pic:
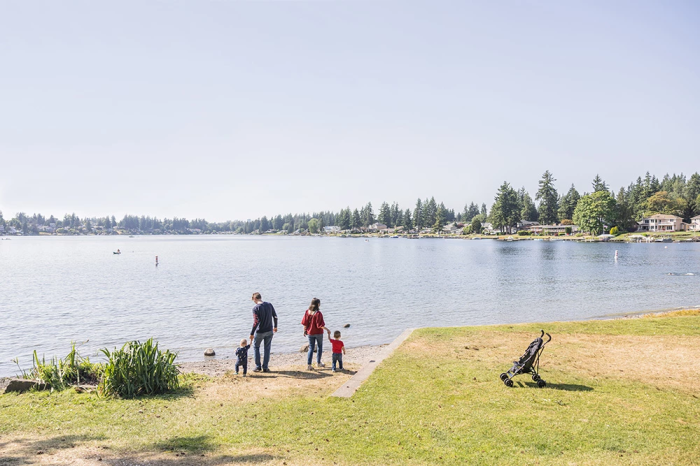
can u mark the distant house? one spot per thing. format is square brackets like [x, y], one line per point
[554, 230]
[377, 226]
[450, 228]
[332, 229]
[525, 225]
[487, 228]
[662, 222]
[694, 224]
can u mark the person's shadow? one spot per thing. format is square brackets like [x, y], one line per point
[303, 375]
[568, 387]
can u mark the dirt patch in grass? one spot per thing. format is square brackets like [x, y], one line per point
[68, 450]
[287, 381]
[662, 361]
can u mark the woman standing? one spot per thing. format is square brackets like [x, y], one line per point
[313, 328]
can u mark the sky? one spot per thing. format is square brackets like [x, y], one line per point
[237, 109]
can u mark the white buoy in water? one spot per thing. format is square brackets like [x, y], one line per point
[615, 254]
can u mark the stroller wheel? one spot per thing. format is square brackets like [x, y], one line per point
[541, 383]
[508, 382]
[504, 376]
[535, 377]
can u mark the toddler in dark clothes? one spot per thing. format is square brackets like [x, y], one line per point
[242, 356]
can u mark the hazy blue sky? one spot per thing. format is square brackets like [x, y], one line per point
[233, 109]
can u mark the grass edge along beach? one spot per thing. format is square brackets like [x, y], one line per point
[619, 392]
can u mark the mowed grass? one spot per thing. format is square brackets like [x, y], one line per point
[619, 392]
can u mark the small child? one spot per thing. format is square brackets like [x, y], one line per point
[242, 355]
[338, 349]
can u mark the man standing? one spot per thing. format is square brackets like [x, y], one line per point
[264, 326]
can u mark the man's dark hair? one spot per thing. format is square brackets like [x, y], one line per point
[256, 296]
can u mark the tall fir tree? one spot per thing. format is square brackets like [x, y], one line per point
[549, 199]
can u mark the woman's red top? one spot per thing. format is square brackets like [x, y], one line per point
[313, 323]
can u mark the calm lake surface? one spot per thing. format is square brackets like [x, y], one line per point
[54, 290]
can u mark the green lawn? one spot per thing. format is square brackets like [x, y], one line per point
[437, 400]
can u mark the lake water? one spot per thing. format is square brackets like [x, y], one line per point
[54, 290]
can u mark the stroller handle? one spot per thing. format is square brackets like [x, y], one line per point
[550, 338]
[542, 333]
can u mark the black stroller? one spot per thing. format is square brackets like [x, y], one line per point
[529, 363]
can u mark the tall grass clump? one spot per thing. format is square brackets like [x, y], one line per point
[59, 374]
[139, 369]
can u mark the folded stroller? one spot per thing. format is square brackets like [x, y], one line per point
[529, 363]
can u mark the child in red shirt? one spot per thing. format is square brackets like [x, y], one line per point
[338, 349]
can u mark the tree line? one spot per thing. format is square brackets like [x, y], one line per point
[600, 208]
[591, 211]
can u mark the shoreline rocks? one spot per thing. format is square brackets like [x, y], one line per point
[209, 352]
[9, 385]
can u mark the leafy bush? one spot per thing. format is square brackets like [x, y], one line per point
[615, 231]
[524, 233]
[567, 230]
[139, 369]
[59, 374]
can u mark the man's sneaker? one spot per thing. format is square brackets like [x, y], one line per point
[320, 364]
[257, 369]
[243, 375]
[310, 367]
[333, 370]
[267, 370]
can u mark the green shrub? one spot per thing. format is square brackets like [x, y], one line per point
[139, 369]
[59, 374]
[567, 230]
[524, 233]
[615, 231]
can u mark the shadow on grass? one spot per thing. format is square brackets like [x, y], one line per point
[200, 443]
[182, 459]
[186, 451]
[17, 451]
[307, 375]
[567, 387]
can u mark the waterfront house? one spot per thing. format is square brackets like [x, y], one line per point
[525, 225]
[377, 226]
[450, 228]
[331, 229]
[552, 230]
[487, 228]
[694, 224]
[662, 222]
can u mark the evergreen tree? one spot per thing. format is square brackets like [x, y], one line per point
[548, 197]
[418, 215]
[385, 215]
[598, 184]
[484, 212]
[528, 210]
[505, 213]
[368, 215]
[567, 205]
[429, 212]
[407, 221]
[356, 219]
[691, 193]
[624, 213]
[440, 215]
[395, 214]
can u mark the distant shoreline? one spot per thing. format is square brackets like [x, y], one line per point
[654, 237]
